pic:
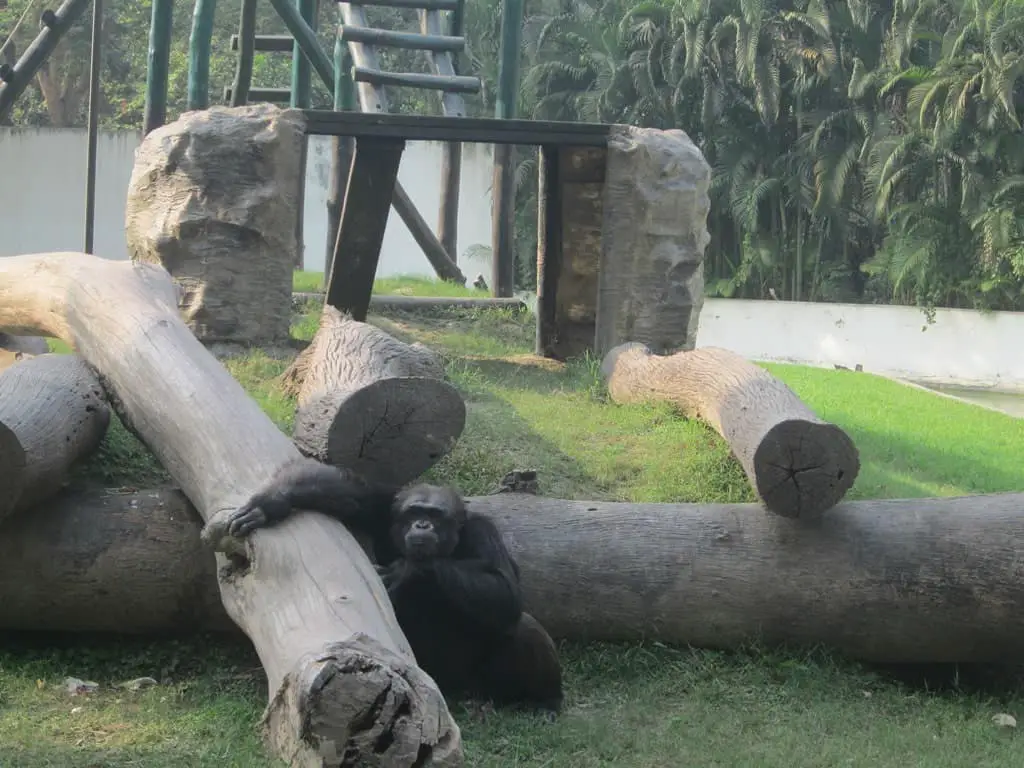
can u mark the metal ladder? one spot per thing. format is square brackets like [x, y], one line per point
[363, 41]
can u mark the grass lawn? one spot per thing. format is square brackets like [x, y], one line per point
[631, 706]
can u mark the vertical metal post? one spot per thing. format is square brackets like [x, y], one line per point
[199, 54]
[300, 94]
[159, 65]
[342, 148]
[246, 52]
[503, 210]
[95, 66]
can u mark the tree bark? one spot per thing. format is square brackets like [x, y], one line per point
[110, 561]
[340, 671]
[371, 403]
[901, 580]
[799, 465]
[56, 411]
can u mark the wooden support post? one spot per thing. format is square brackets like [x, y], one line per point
[549, 247]
[364, 217]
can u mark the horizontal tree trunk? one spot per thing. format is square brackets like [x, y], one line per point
[110, 561]
[799, 465]
[371, 403]
[902, 580]
[307, 596]
[382, 302]
[56, 412]
[15, 348]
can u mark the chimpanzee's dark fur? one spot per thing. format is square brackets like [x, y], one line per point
[452, 582]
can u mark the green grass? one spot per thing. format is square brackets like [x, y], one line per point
[408, 285]
[639, 705]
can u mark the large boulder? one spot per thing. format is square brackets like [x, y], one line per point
[651, 279]
[214, 198]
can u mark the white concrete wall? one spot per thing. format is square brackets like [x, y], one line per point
[43, 209]
[962, 347]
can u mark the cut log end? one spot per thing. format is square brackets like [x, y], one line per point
[356, 703]
[390, 431]
[804, 468]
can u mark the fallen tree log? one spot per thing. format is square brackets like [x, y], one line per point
[56, 412]
[371, 403]
[900, 580]
[110, 561]
[799, 465]
[340, 672]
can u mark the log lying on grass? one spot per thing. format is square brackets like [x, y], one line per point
[53, 412]
[110, 561]
[339, 669]
[799, 465]
[372, 403]
[906, 580]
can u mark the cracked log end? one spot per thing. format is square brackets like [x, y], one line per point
[804, 468]
[390, 430]
[358, 704]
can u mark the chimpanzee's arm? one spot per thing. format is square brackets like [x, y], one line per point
[308, 484]
[481, 579]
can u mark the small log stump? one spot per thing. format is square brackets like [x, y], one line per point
[799, 464]
[371, 403]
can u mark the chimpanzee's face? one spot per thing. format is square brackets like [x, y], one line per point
[426, 522]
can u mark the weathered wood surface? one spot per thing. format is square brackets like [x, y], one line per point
[306, 595]
[902, 580]
[799, 464]
[110, 561]
[371, 403]
[53, 412]
[574, 247]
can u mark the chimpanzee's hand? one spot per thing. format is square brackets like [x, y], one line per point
[258, 511]
[396, 574]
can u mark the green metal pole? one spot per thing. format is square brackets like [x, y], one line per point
[300, 64]
[306, 39]
[95, 70]
[159, 65]
[344, 85]
[503, 208]
[508, 63]
[342, 146]
[199, 54]
[246, 53]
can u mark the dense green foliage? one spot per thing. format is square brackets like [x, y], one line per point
[862, 150]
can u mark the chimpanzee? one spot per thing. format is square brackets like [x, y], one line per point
[452, 582]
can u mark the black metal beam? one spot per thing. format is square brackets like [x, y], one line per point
[269, 43]
[55, 25]
[364, 217]
[273, 95]
[462, 129]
